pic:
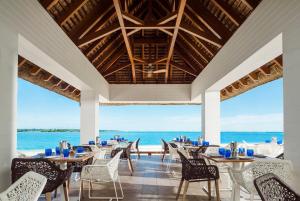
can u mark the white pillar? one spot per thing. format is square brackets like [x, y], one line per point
[211, 117]
[89, 116]
[291, 73]
[8, 102]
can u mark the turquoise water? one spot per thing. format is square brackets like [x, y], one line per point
[40, 140]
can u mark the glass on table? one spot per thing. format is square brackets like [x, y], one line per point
[91, 142]
[48, 152]
[104, 143]
[222, 151]
[57, 151]
[66, 152]
[195, 143]
[227, 153]
[250, 152]
[242, 151]
[80, 150]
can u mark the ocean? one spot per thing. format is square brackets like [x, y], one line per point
[32, 140]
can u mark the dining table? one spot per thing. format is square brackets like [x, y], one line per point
[235, 163]
[63, 163]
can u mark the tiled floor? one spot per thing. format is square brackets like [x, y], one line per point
[149, 182]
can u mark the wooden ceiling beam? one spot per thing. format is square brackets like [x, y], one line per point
[21, 61]
[113, 60]
[209, 20]
[278, 61]
[115, 69]
[150, 61]
[132, 18]
[173, 39]
[152, 40]
[192, 44]
[75, 6]
[112, 42]
[107, 54]
[189, 60]
[250, 3]
[133, 32]
[93, 18]
[129, 25]
[183, 68]
[126, 40]
[48, 4]
[36, 72]
[201, 35]
[229, 12]
[168, 18]
[98, 34]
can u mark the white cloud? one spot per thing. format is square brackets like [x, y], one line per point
[265, 122]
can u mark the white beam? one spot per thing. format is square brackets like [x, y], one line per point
[256, 42]
[8, 103]
[291, 72]
[211, 117]
[150, 93]
[89, 116]
[44, 43]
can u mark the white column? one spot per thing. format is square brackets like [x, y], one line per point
[89, 116]
[291, 73]
[211, 117]
[8, 102]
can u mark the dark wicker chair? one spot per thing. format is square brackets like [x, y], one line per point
[166, 149]
[55, 176]
[125, 155]
[77, 166]
[280, 156]
[135, 147]
[197, 153]
[271, 188]
[196, 170]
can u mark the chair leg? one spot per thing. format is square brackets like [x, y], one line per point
[138, 152]
[209, 189]
[186, 185]
[179, 188]
[48, 196]
[122, 193]
[130, 166]
[163, 156]
[217, 189]
[80, 190]
[66, 191]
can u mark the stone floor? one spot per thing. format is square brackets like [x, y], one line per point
[150, 181]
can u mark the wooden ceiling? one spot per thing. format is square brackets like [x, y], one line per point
[149, 41]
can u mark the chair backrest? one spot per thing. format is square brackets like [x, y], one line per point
[270, 188]
[28, 187]
[165, 145]
[135, 144]
[282, 168]
[55, 176]
[173, 152]
[113, 165]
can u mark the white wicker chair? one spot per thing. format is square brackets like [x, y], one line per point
[99, 153]
[246, 176]
[28, 188]
[103, 173]
[174, 156]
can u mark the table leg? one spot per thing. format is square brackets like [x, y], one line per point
[235, 196]
[61, 189]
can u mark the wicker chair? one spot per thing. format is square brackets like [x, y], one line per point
[125, 155]
[271, 188]
[196, 170]
[28, 187]
[55, 176]
[246, 176]
[103, 173]
[165, 148]
[280, 156]
[135, 147]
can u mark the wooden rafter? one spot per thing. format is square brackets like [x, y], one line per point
[98, 34]
[167, 18]
[209, 20]
[76, 5]
[229, 12]
[132, 18]
[190, 61]
[106, 55]
[49, 3]
[116, 68]
[183, 68]
[173, 40]
[126, 40]
[113, 59]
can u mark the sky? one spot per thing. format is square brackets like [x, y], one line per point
[260, 109]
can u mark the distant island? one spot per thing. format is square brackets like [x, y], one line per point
[55, 130]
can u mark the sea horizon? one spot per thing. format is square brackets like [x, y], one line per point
[32, 140]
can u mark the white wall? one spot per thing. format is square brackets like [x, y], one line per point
[291, 72]
[150, 93]
[44, 43]
[8, 103]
